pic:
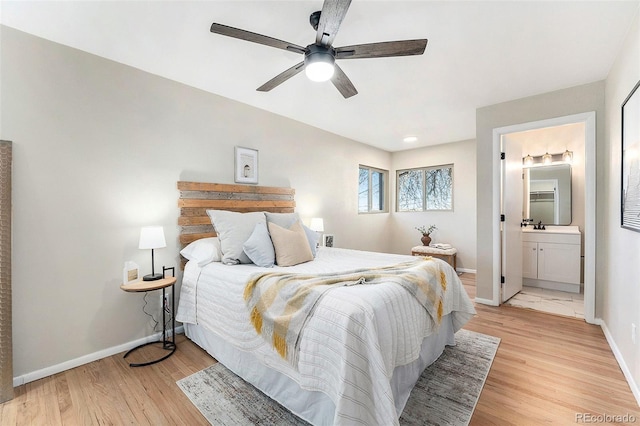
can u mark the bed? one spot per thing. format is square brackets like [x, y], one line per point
[362, 348]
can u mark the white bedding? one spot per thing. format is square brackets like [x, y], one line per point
[351, 345]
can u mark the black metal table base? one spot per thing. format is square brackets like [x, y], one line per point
[166, 345]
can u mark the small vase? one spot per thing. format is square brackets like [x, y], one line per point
[426, 239]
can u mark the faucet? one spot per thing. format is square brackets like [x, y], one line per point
[525, 222]
[539, 226]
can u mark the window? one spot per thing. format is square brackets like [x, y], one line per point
[372, 189]
[426, 188]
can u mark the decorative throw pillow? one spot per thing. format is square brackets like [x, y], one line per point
[285, 220]
[203, 251]
[259, 247]
[234, 229]
[291, 245]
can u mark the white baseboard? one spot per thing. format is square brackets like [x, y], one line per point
[623, 366]
[470, 271]
[67, 365]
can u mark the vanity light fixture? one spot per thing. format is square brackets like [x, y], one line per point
[547, 159]
[528, 160]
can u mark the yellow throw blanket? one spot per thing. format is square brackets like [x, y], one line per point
[280, 303]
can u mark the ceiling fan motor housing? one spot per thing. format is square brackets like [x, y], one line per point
[316, 53]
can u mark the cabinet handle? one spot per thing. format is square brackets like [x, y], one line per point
[541, 249]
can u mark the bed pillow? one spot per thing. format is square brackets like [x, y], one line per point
[285, 220]
[234, 229]
[259, 247]
[291, 245]
[312, 237]
[203, 251]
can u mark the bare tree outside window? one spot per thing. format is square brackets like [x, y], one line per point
[425, 188]
[410, 190]
[439, 188]
[372, 188]
[363, 190]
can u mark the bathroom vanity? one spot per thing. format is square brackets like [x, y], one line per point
[551, 257]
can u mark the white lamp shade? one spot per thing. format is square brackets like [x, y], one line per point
[152, 237]
[317, 224]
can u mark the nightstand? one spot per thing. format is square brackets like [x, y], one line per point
[144, 286]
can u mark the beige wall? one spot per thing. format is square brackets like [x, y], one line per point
[457, 227]
[618, 259]
[575, 100]
[98, 148]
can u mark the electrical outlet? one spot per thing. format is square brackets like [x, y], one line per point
[633, 333]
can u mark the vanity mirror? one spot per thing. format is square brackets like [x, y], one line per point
[547, 194]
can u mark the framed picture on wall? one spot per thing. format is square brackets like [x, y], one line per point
[246, 165]
[327, 240]
[630, 196]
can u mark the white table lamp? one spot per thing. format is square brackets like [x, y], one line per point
[152, 237]
[317, 224]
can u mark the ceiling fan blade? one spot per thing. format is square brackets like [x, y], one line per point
[342, 83]
[333, 12]
[255, 38]
[281, 78]
[383, 49]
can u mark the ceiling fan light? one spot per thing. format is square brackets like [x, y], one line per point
[319, 62]
[319, 71]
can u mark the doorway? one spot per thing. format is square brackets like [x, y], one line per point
[587, 201]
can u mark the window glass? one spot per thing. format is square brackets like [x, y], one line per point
[439, 192]
[363, 190]
[425, 188]
[372, 190]
[410, 190]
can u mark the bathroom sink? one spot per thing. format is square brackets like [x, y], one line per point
[553, 229]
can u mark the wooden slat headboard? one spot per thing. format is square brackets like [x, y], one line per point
[197, 197]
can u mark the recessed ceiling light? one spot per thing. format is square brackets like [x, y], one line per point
[410, 139]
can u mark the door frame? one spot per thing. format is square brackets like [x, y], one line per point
[589, 121]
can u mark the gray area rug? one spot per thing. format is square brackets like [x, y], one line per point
[446, 393]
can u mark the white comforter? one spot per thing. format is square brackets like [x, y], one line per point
[352, 343]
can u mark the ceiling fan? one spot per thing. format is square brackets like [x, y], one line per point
[319, 57]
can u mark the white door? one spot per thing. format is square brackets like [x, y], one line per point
[512, 210]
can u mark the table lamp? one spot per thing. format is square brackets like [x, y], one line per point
[152, 237]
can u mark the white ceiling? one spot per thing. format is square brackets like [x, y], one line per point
[479, 53]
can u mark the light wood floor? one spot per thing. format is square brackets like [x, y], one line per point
[548, 369]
